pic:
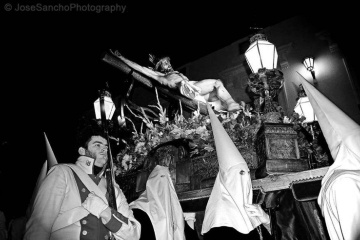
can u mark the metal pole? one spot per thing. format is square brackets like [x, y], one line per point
[110, 164]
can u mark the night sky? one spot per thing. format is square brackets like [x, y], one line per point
[52, 70]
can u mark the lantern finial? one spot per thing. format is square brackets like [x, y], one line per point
[258, 36]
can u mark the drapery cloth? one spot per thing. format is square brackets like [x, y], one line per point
[162, 205]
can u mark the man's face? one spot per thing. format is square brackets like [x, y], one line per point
[97, 149]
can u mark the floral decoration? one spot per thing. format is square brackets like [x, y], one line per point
[310, 141]
[241, 126]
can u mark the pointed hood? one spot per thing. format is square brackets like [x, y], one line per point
[227, 153]
[342, 134]
[50, 156]
[48, 163]
[160, 202]
[232, 188]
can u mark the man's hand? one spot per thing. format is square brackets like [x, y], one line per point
[94, 204]
[255, 210]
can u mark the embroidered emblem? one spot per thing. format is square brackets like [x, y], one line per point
[88, 162]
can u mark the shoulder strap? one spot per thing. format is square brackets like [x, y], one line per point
[88, 182]
[80, 186]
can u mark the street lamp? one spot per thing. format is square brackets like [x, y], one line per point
[261, 53]
[109, 106]
[104, 110]
[309, 65]
[265, 80]
[303, 107]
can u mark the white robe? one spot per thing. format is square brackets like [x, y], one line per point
[340, 203]
[226, 205]
[339, 197]
[162, 205]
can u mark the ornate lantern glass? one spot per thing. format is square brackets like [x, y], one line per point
[309, 63]
[108, 104]
[304, 108]
[261, 53]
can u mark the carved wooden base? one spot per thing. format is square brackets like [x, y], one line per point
[281, 166]
[264, 185]
[278, 150]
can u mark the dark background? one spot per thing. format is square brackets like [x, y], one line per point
[52, 69]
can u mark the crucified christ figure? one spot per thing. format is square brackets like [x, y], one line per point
[207, 90]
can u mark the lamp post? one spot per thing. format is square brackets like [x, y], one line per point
[104, 110]
[265, 80]
[276, 142]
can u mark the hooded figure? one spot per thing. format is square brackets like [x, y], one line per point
[339, 197]
[232, 190]
[162, 205]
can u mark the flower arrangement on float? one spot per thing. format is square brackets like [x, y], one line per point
[241, 126]
[197, 128]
